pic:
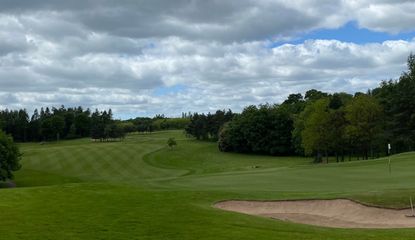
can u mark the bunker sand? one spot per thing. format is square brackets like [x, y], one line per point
[339, 213]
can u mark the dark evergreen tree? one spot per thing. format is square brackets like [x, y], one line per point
[206, 127]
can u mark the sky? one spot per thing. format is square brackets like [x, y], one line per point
[142, 58]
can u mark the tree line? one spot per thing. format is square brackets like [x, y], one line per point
[49, 124]
[104, 128]
[321, 124]
[206, 126]
[157, 123]
[59, 123]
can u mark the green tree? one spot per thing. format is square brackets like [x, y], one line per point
[198, 127]
[9, 157]
[364, 115]
[57, 126]
[114, 131]
[207, 127]
[35, 127]
[72, 132]
[143, 124]
[397, 99]
[171, 142]
[314, 95]
[265, 129]
[231, 137]
[316, 132]
[82, 123]
[337, 127]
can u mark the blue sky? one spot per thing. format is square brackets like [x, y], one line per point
[350, 32]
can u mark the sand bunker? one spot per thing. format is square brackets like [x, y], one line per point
[340, 213]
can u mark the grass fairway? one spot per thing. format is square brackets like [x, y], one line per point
[140, 189]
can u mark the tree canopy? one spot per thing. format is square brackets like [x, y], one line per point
[60, 123]
[9, 157]
[265, 129]
[205, 127]
[171, 142]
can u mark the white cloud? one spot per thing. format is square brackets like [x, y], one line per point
[384, 16]
[219, 53]
[214, 75]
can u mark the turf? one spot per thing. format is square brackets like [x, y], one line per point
[141, 189]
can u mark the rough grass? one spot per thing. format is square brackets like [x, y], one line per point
[140, 189]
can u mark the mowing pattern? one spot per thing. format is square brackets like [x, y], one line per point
[96, 161]
[141, 189]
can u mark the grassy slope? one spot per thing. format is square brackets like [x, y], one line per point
[139, 189]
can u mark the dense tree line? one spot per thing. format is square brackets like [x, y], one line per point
[142, 124]
[318, 124]
[59, 123]
[170, 123]
[340, 124]
[157, 123]
[322, 124]
[104, 128]
[265, 129]
[207, 126]
[397, 98]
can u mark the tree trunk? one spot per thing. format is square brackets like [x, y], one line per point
[371, 153]
[318, 158]
[327, 156]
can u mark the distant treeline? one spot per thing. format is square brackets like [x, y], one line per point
[49, 124]
[207, 126]
[321, 124]
[158, 123]
[59, 123]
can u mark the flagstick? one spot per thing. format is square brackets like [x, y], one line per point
[390, 169]
[412, 207]
[389, 158]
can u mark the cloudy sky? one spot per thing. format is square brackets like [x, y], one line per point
[142, 57]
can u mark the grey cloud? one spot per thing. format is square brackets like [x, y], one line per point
[98, 71]
[115, 53]
[197, 19]
[227, 21]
